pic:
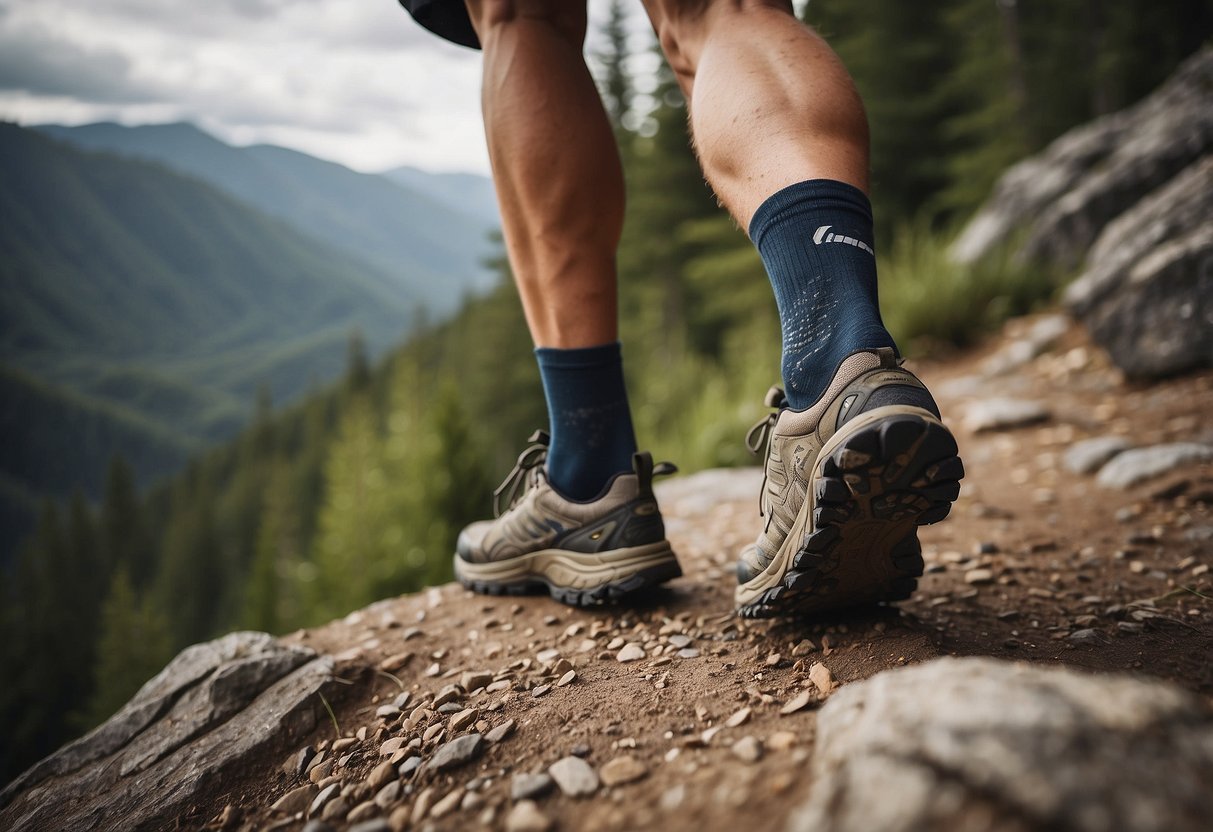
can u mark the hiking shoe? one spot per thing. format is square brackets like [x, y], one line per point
[847, 483]
[582, 553]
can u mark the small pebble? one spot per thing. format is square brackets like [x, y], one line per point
[526, 816]
[630, 653]
[296, 800]
[500, 732]
[526, 786]
[748, 749]
[820, 676]
[781, 741]
[363, 811]
[447, 804]
[380, 775]
[463, 719]
[1087, 636]
[622, 770]
[739, 718]
[574, 776]
[978, 577]
[797, 703]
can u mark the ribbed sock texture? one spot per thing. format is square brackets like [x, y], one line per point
[591, 425]
[816, 241]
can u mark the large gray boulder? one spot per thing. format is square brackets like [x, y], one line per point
[1134, 466]
[1066, 195]
[1146, 294]
[979, 744]
[1129, 197]
[213, 707]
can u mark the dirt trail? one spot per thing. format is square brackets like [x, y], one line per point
[1036, 563]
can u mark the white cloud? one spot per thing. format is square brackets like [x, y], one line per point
[39, 61]
[357, 82]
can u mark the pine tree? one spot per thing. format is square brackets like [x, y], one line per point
[352, 525]
[307, 467]
[272, 602]
[83, 578]
[900, 58]
[260, 435]
[36, 696]
[190, 588]
[133, 647]
[358, 368]
[125, 540]
[446, 486]
[667, 191]
[992, 128]
[496, 371]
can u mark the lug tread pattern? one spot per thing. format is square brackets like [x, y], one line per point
[871, 494]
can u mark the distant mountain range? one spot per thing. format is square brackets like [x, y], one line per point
[427, 232]
[153, 279]
[463, 192]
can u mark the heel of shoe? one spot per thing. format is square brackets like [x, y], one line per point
[893, 472]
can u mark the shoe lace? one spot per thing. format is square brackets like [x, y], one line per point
[524, 475]
[758, 437]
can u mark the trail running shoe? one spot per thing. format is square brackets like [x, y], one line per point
[847, 483]
[582, 553]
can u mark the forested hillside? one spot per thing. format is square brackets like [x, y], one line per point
[359, 491]
[137, 296]
[67, 440]
[423, 236]
[108, 259]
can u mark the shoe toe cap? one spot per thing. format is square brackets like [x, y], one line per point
[468, 546]
[749, 565]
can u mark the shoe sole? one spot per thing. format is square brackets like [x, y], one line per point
[578, 579]
[887, 474]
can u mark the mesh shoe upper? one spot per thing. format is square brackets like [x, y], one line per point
[625, 514]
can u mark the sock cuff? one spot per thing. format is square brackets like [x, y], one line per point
[828, 196]
[579, 357]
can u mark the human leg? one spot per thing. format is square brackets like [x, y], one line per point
[783, 140]
[577, 515]
[856, 454]
[771, 105]
[560, 186]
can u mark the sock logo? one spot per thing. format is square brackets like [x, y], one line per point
[821, 235]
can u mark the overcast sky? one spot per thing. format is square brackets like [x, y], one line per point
[355, 81]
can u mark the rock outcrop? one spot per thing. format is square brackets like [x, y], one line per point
[983, 745]
[1146, 294]
[214, 707]
[1128, 198]
[1067, 194]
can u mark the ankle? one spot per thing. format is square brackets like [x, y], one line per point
[591, 423]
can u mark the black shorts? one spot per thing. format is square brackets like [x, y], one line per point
[445, 18]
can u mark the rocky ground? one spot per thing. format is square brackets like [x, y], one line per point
[448, 710]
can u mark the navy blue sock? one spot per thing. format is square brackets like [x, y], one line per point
[591, 426]
[816, 241]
